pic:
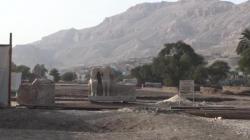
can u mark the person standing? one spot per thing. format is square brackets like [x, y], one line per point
[99, 84]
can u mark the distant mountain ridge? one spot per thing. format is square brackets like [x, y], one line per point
[210, 26]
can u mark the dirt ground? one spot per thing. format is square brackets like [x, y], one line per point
[24, 124]
[130, 123]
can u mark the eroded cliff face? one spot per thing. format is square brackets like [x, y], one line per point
[212, 27]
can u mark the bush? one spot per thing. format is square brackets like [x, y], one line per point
[69, 76]
[55, 74]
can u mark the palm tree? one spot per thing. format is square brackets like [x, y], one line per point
[244, 42]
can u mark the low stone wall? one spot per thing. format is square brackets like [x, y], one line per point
[236, 89]
[209, 90]
[118, 93]
[170, 89]
[70, 89]
[40, 93]
[123, 90]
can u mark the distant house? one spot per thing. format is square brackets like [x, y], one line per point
[154, 85]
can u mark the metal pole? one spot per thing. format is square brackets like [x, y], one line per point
[193, 92]
[10, 65]
[193, 98]
[179, 93]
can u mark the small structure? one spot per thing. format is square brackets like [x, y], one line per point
[41, 92]
[103, 87]
[5, 73]
[132, 81]
[185, 87]
[16, 80]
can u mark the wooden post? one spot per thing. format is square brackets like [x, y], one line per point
[10, 65]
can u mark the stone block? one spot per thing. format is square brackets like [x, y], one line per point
[40, 92]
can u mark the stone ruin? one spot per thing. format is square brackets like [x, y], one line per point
[41, 92]
[104, 88]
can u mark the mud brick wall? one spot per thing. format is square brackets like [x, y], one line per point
[170, 89]
[209, 90]
[236, 89]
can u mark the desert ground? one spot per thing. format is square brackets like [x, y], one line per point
[75, 118]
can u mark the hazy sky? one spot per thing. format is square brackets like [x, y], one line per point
[29, 20]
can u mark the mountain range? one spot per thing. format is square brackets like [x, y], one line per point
[211, 27]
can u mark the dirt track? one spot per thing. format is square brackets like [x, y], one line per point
[27, 124]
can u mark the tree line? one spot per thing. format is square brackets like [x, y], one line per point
[40, 71]
[178, 61]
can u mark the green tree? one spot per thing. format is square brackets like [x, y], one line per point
[25, 71]
[56, 75]
[217, 72]
[244, 43]
[69, 76]
[40, 71]
[136, 73]
[145, 74]
[177, 61]
[200, 75]
[26, 74]
[244, 63]
[243, 50]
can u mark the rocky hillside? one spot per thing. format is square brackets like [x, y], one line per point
[212, 27]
